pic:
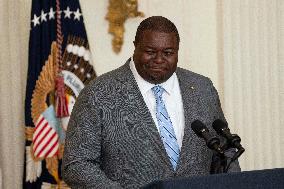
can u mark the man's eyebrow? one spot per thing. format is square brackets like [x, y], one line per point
[147, 46]
[167, 48]
[170, 48]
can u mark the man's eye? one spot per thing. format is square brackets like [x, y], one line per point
[150, 52]
[168, 53]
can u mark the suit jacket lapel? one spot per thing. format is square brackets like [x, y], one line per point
[145, 118]
[190, 104]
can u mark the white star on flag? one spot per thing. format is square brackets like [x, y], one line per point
[43, 16]
[51, 14]
[67, 13]
[77, 15]
[36, 20]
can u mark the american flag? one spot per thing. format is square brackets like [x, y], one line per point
[45, 132]
[45, 139]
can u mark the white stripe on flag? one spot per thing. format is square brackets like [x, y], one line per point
[44, 141]
[48, 147]
[39, 127]
[41, 135]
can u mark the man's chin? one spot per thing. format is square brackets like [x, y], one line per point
[158, 79]
[155, 77]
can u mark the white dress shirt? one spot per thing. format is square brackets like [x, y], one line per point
[171, 97]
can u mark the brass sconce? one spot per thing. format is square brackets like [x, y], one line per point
[118, 12]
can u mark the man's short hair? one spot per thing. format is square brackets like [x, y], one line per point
[156, 23]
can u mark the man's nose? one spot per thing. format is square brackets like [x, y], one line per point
[159, 58]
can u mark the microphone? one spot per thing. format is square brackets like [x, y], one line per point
[222, 129]
[211, 141]
[234, 140]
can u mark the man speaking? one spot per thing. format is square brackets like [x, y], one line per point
[132, 126]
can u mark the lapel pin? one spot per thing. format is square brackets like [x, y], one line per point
[192, 87]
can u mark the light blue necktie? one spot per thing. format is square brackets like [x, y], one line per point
[167, 132]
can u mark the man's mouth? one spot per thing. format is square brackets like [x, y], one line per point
[158, 68]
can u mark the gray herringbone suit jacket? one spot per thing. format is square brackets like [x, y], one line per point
[112, 140]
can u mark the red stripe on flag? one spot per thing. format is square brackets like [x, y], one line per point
[42, 139]
[48, 152]
[54, 134]
[45, 125]
[37, 125]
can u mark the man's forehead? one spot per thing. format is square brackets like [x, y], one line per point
[152, 38]
[156, 32]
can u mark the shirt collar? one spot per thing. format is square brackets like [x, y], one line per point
[145, 86]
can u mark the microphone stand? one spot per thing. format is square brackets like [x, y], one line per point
[237, 154]
[221, 164]
[232, 141]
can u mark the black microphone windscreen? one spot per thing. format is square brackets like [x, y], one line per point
[201, 131]
[218, 125]
[198, 127]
